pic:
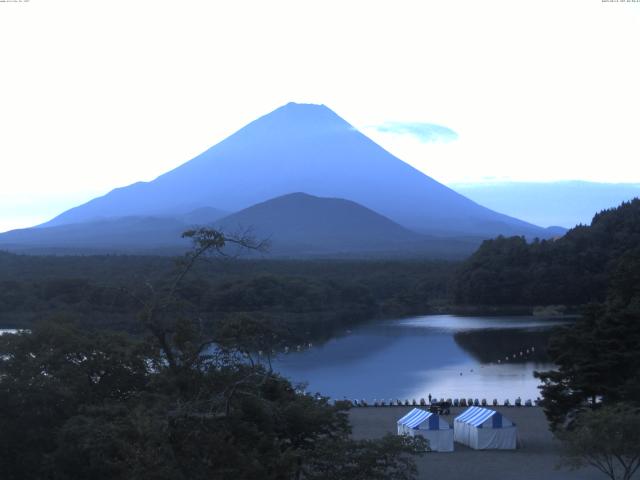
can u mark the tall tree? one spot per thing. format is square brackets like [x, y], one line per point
[607, 439]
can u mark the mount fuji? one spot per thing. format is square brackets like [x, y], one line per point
[296, 148]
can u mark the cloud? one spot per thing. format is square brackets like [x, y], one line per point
[425, 132]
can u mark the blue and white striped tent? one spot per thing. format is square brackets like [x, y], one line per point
[482, 428]
[430, 426]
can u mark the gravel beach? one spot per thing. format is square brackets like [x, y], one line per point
[537, 459]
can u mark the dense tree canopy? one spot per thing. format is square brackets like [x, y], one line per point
[76, 405]
[315, 299]
[185, 399]
[575, 269]
[597, 358]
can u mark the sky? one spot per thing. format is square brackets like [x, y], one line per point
[100, 94]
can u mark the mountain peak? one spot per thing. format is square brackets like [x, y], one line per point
[301, 117]
[297, 105]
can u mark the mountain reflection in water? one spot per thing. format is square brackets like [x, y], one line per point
[445, 355]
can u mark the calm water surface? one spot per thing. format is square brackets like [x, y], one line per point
[445, 355]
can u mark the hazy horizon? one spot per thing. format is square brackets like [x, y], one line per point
[499, 196]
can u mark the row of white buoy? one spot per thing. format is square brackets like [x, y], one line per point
[297, 348]
[515, 356]
[462, 402]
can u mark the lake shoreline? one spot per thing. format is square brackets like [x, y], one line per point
[545, 311]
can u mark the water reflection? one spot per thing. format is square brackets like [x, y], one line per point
[447, 356]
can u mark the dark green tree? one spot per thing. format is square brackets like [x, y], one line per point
[575, 270]
[597, 358]
[597, 362]
[389, 457]
[607, 439]
[47, 376]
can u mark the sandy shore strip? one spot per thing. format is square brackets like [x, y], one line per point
[537, 459]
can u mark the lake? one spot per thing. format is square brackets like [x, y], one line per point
[446, 356]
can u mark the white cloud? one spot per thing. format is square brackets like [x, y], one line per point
[424, 132]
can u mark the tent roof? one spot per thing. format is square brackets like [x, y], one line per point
[415, 417]
[475, 416]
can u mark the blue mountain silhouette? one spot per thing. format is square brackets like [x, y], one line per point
[303, 148]
[295, 225]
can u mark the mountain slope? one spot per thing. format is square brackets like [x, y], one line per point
[123, 234]
[311, 149]
[318, 224]
[299, 224]
[296, 225]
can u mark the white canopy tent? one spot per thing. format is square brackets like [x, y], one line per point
[429, 425]
[482, 429]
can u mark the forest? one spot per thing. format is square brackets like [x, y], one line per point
[576, 269]
[313, 299]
